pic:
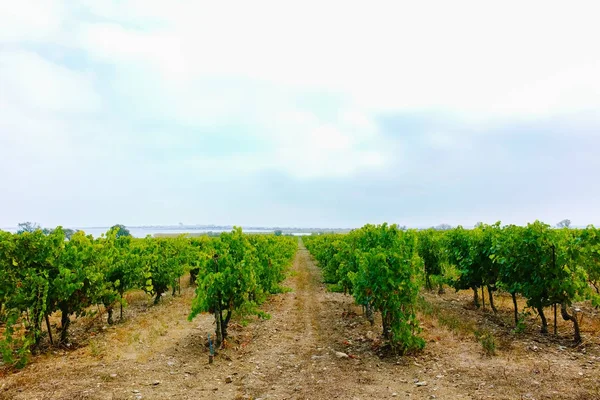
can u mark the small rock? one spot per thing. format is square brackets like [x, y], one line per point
[135, 391]
[421, 383]
[339, 354]
[394, 394]
[113, 375]
[229, 379]
[155, 383]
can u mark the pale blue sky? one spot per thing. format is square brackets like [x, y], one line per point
[317, 114]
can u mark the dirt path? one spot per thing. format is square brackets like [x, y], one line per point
[159, 355]
[298, 360]
[298, 357]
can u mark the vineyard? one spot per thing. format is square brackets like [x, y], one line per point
[384, 268]
[374, 313]
[44, 272]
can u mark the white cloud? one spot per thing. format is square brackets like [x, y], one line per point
[40, 85]
[474, 58]
[479, 61]
[34, 20]
[463, 56]
[306, 146]
[301, 145]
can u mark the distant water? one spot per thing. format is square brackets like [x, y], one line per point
[141, 232]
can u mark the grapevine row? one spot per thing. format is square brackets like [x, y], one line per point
[43, 272]
[385, 267]
[380, 266]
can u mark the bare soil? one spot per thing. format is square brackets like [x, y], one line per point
[157, 354]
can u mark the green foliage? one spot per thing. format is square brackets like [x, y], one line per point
[239, 272]
[460, 250]
[431, 252]
[227, 280]
[76, 281]
[546, 266]
[487, 341]
[538, 262]
[122, 268]
[162, 262]
[25, 268]
[387, 279]
[380, 265]
[586, 249]
[43, 272]
[199, 251]
[273, 257]
[121, 230]
[520, 325]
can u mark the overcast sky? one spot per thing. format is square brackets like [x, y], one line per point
[320, 113]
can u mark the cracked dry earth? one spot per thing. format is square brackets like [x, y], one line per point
[158, 354]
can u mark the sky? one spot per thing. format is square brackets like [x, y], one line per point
[306, 114]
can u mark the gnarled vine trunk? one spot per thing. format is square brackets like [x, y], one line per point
[219, 325]
[65, 322]
[385, 320]
[555, 320]
[109, 311]
[544, 329]
[483, 298]
[567, 317]
[476, 297]
[225, 323]
[369, 313]
[491, 295]
[516, 308]
[49, 329]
